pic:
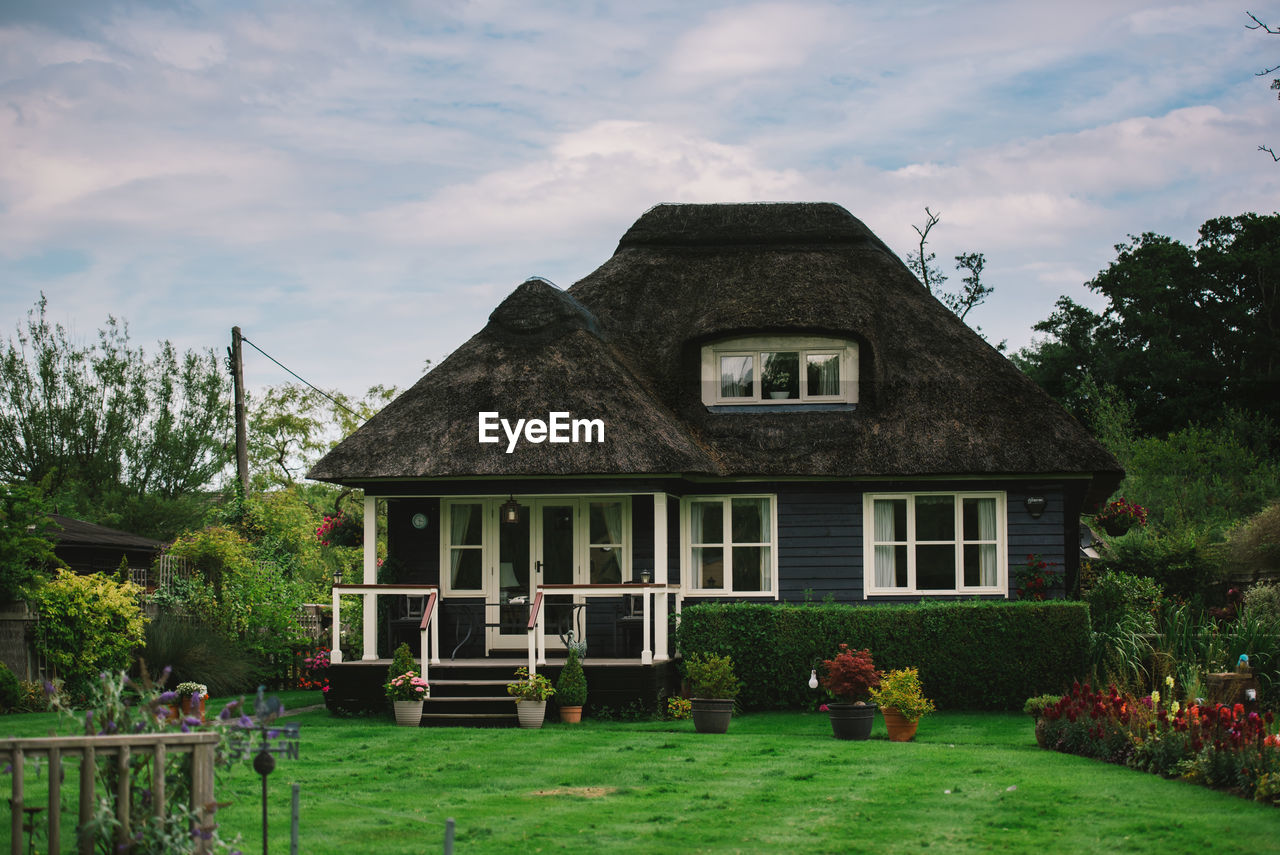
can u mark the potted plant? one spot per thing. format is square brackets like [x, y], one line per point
[571, 689]
[714, 687]
[849, 679]
[902, 702]
[191, 698]
[1119, 516]
[531, 695]
[405, 688]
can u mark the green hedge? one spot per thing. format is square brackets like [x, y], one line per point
[971, 655]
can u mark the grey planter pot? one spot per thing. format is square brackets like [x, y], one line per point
[850, 721]
[711, 715]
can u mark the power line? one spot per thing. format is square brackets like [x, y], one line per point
[306, 382]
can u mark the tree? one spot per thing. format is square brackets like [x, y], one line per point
[961, 301]
[1275, 83]
[109, 430]
[1187, 333]
[292, 425]
[26, 551]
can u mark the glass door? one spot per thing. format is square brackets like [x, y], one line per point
[510, 589]
[556, 522]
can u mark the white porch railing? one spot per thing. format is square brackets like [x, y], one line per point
[429, 627]
[653, 610]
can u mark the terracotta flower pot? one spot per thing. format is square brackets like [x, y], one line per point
[900, 728]
[851, 721]
[190, 710]
[571, 715]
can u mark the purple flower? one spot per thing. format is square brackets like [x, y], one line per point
[164, 675]
[168, 697]
[49, 688]
[192, 720]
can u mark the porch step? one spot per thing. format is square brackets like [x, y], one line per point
[468, 720]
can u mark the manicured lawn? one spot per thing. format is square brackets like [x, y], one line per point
[776, 782]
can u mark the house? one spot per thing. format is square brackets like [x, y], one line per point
[746, 401]
[87, 547]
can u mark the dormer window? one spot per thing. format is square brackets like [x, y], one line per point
[780, 371]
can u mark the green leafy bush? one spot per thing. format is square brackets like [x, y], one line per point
[972, 655]
[10, 690]
[1252, 550]
[571, 687]
[1183, 561]
[1114, 596]
[712, 676]
[88, 624]
[1263, 601]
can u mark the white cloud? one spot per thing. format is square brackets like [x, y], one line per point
[752, 40]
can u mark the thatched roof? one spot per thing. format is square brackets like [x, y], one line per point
[624, 344]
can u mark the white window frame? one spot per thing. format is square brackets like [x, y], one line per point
[1001, 587]
[487, 548]
[688, 582]
[491, 529]
[756, 346]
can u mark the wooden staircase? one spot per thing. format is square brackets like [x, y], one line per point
[470, 695]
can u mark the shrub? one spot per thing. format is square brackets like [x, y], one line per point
[10, 690]
[711, 676]
[1114, 596]
[1025, 648]
[1252, 550]
[571, 687]
[402, 661]
[850, 676]
[1263, 601]
[87, 625]
[1184, 563]
[901, 690]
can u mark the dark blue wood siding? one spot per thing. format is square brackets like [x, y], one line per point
[820, 545]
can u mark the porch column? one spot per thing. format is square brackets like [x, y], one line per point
[335, 650]
[370, 578]
[660, 652]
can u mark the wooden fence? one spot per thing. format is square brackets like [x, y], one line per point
[90, 750]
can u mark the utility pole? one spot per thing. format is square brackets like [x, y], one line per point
[242, 433]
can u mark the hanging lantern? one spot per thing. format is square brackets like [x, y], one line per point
[509, 513]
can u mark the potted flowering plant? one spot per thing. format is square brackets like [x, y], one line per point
[531, 695]
[1119, 516]
[191, 697]
[902, 702]
[405, 689]
[1035, 578]
[406, 692]
[714, 688]
[849, 678]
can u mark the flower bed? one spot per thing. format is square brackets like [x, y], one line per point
[1215, 745]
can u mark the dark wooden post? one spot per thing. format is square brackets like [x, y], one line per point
[242, 435]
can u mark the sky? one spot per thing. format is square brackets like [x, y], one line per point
[358, 185]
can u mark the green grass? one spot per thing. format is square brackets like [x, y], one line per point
[775, 782]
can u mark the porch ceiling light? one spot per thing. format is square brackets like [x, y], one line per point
[510, 512]
[1035, 506]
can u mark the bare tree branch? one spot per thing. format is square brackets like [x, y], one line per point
[1259, 25]
[920, 263]
[1267, 149]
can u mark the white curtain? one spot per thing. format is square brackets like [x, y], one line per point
[612, 513]
[987, 551]
[824, 374]
[885, 569]
[459, 521]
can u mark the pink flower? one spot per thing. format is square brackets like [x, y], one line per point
[824, 708]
